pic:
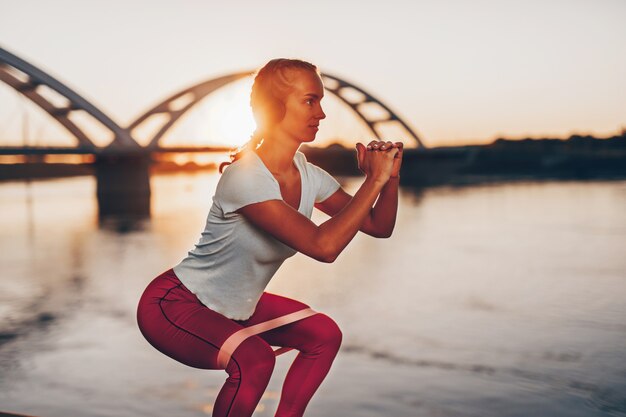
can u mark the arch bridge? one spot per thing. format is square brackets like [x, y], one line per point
[122, 165]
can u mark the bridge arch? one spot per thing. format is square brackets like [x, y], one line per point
[357, 99]
[176, 105]
[26, 79]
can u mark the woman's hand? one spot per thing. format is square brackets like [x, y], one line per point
[397, 162]
[378, 160]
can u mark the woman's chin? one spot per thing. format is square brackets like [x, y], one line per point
[307, 138]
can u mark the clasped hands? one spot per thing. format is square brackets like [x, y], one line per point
[380, 159]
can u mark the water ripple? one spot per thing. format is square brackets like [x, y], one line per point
[608, 400]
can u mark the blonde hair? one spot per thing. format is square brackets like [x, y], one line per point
[272, 84]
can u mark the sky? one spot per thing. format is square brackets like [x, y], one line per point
[457, 72]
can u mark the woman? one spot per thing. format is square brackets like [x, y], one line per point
[210, 310]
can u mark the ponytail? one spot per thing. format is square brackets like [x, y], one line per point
[255, 140]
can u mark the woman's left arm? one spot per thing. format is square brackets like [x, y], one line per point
[382, 218]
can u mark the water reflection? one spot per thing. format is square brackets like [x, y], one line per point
[493, 300]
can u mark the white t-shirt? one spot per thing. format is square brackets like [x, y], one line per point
[234, 260]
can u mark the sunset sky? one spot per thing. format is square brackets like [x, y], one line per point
[457, 72]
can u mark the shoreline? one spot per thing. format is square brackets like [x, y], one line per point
[577, 158]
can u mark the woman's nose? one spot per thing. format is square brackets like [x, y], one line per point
[321, 114]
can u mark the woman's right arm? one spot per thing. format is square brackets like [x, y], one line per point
[326, 241]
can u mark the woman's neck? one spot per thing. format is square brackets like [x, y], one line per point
[278, 157]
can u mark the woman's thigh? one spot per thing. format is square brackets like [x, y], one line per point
[174, 321]
[177, 324]
[302, 334]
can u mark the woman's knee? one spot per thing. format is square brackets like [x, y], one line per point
[253, 356]
[327, 331]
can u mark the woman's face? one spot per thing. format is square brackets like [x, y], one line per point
[303, 108]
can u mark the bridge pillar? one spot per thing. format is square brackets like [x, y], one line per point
[123, 184]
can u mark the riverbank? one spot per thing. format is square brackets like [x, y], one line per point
[576, 158]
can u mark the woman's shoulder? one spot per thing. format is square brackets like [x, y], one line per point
[246, 170]
[246, 163]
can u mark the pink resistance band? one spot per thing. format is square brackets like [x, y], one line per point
[235, 339]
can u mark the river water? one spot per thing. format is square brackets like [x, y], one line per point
[488, 300]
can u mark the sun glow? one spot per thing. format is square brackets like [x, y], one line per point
[222, 119]
[231, 121]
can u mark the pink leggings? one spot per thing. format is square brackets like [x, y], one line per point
[177, 324]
